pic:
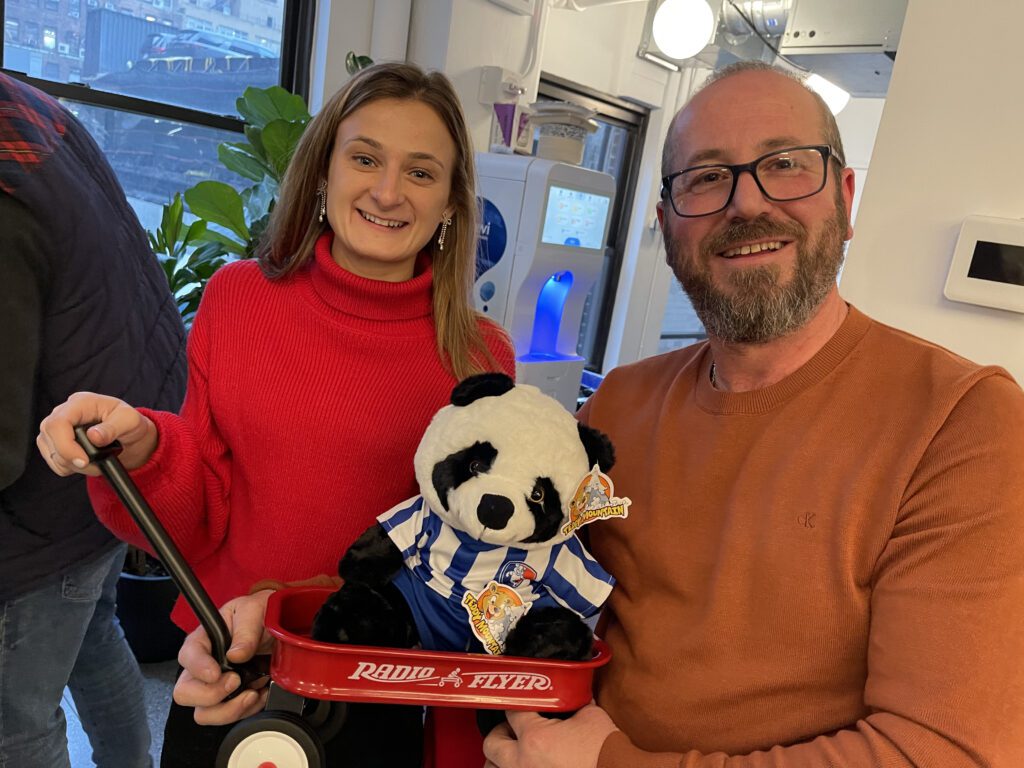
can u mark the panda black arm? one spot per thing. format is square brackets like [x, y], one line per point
[598, 447]
[551, 632]
[372, 559]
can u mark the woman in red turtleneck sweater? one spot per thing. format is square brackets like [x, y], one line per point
[314, 371]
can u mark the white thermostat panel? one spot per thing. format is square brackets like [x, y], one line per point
[988, 264]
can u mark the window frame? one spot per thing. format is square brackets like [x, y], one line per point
[294, 76]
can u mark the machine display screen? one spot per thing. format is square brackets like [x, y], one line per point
[999, 262]
[575, 218]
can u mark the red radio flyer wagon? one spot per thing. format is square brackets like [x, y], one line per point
[311, 681]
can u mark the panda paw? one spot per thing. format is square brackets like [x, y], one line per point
[372, 559]
[551, 633]
[360, 615]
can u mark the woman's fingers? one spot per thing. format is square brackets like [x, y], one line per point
[112, 419]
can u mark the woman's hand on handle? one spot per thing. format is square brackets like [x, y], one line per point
[204, 685]
[114, 419]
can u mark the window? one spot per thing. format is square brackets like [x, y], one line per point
[613, 149]
[162, 84]
[155, 157]
[680, 327]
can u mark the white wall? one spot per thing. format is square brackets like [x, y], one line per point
[858, 126]
[341, 26]
[478, 34]
[949, 145]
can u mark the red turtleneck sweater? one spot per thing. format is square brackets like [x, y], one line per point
[306, 400]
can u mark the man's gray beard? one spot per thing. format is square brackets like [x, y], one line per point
[761, 309]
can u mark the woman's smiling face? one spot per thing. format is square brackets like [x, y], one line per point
[388, 187]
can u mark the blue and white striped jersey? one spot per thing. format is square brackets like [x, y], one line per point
[458, 587]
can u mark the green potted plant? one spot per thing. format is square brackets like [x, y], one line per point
[226, 223]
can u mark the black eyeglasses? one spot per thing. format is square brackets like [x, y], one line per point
[783, 175]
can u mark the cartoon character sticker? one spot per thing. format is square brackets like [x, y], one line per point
[594, 499]
[515, 573]
[493, 613]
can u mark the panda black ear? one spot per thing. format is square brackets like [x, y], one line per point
[599, 448]
[481, 385]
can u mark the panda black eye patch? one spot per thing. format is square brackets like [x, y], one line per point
[456, 468]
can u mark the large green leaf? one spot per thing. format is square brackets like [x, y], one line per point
[170, 223]
[219, 203]
[279, 140]
[261, 106]
[195, 232]
[242, 162]
[226, 243]
[257, 200]
[255, 138]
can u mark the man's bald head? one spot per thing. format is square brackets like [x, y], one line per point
[830, 130]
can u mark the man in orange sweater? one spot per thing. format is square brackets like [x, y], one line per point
[824, 562]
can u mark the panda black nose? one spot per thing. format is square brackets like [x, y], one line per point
[494, 511]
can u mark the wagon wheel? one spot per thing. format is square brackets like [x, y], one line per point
[325, 717]
[271, 739]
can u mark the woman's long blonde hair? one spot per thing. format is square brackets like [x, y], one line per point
[294, 228]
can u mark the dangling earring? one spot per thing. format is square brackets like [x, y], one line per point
[321, 197]
[444, 230]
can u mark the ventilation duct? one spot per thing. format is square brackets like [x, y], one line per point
[851, 43]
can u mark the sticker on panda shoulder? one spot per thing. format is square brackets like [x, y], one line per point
[594, 500]
[493, 613]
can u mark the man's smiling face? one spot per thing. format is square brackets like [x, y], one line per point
[757, 269]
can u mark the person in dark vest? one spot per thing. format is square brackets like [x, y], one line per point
[85, 306]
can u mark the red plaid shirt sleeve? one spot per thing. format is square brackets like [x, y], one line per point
[31, 127]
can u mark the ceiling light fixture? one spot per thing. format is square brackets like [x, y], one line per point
[682, 28]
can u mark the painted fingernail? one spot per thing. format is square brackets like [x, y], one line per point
[80, 463]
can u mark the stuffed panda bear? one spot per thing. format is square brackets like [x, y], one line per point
[485, 559]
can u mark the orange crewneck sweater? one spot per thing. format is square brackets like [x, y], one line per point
[306, 400]
[826, 573]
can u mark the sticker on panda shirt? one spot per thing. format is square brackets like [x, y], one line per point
[493, 613]
[594, 500]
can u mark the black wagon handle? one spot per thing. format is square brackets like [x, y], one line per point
[220, 640]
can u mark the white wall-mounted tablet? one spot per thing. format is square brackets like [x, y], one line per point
[988, 263]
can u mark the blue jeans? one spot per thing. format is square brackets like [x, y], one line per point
[65, 633]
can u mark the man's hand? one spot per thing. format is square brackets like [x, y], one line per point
[202, 684]
[532, 741]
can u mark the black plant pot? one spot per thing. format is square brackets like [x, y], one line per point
[144, 609]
